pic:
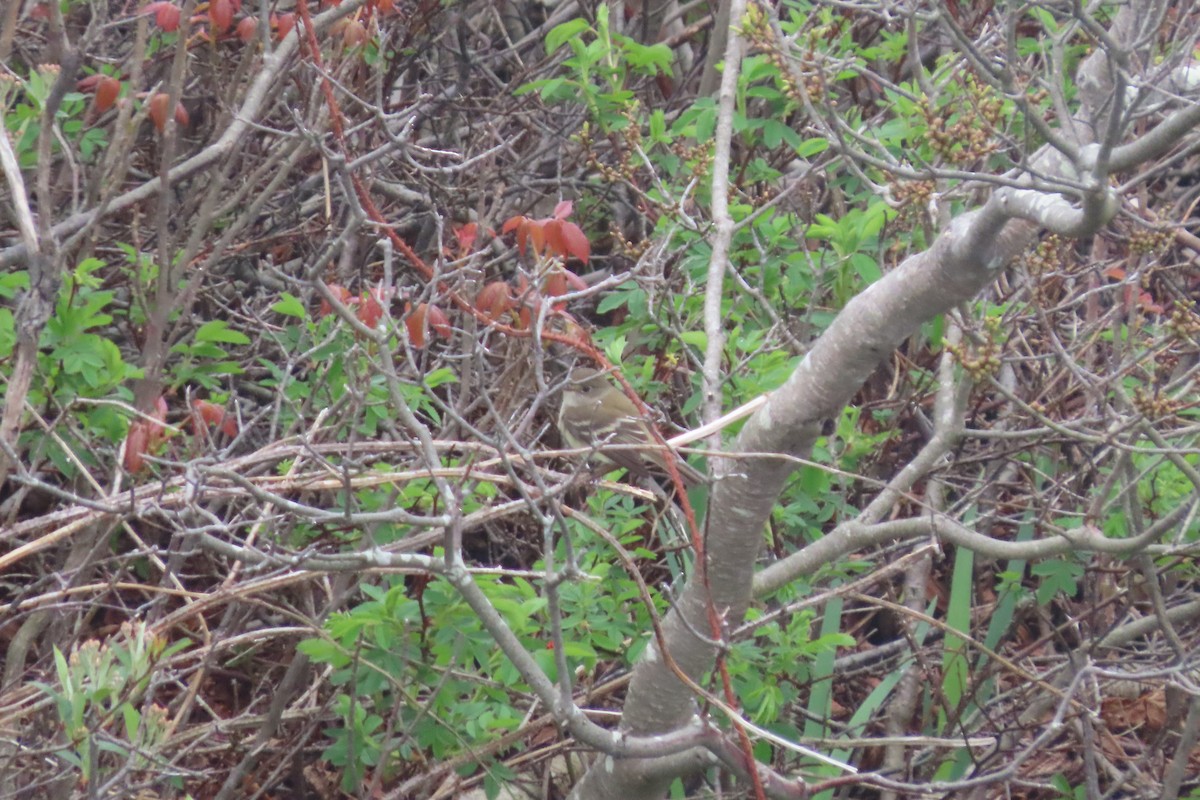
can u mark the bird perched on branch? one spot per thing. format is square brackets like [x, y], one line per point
[596, 414]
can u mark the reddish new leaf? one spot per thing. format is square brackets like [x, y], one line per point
[166, 15]
[108, 89]
[495, 300]
[206, 414]
[343, 296]
[519, 224]
[555, 284]
[220, 13]
[157, 427]
[426, 317]
[576, 283]
[1147, 303]
[371, 310]
[552, 230]
[158, 112]
[247, 28]
[354, 33]
[88, 84]
[535, 231]
[415, 323]
[575, 243]
[564, 209]
[439, 323]
[283, 24]
[135, 446]
[145, 434]
[559, 282]
[466, 235]
[512, 223]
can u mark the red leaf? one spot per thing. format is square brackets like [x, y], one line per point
[576, 283]
[88, 84]
[415, 323]
[512, 223]
[166, 15]
[466, 235]
[521, 225]
[158, 112]
[555, 284]
[135, 446]
[564, 209]
[156, 429]
[107, 90]
[205, 414]
[220, 12]
[553, 232]
[343, 296]
[283, 24]
[439, 323]
[354, 33]
[247, 28]
[426, 317]
[575, 243]
[371, 310]
[536, 233]
[495, 300]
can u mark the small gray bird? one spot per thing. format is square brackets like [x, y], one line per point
[596, 414]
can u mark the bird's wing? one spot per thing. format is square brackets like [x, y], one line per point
[649, 459]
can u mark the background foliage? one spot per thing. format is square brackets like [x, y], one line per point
[340, 329]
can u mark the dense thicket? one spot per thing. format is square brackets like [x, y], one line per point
[290, 293]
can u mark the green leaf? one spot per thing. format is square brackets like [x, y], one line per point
[866, 267]
[615, 350]
[649, 60]
[218, 330]
[290, 306]
[1058, 575]
[438, 377]
[13, 283]
[8, 333]
[561, 33]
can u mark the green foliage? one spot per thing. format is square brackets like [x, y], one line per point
[446, 687]
[600, 67]
[204, 360]
[96, 698]
[422, 676]
[770, 670]
[78, 359]
[21, 109]
[1065, 790]
[1057, 575]
[10, 286]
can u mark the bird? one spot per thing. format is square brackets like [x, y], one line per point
[595, 414]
